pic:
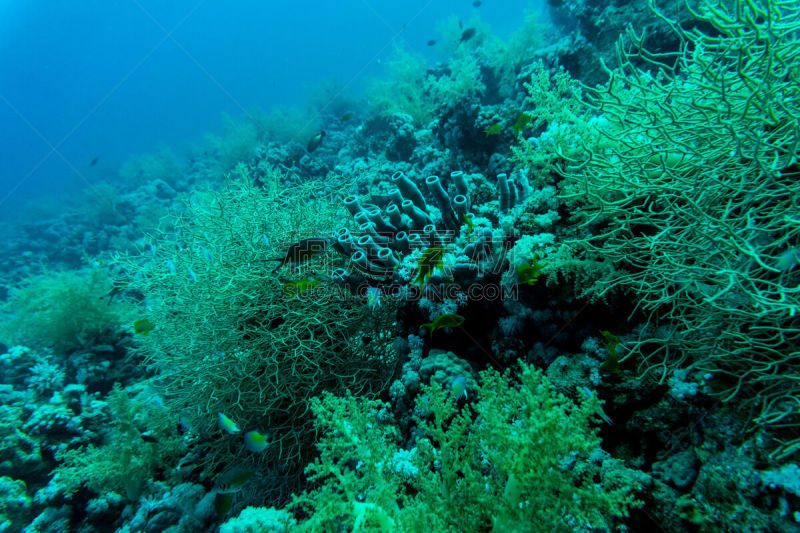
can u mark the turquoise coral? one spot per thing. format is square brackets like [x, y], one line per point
[543, 471]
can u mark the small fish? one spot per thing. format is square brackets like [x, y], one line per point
[788, 260]
[459, 386]
[227, 425]
[591, 395]
[148, 436]
[522, 121]
[265, 240]
[450, 320]
[255, 441]
[477, 3]
[234, 479]
[143, 327]
[118, 286]
[431, 42]
[209, 257]
[298, 287]
[192, 276]
[470, 224]
[223, 502]
[494, 129]
[529, 274]
[610, 343]
[432, 258]
[184, 424]
[347, 116]
[170, 266]
[302, 251]
[94, 161]
[99, 348]
[373, 298]
[468, 34]
[315, 142]
[158, 401]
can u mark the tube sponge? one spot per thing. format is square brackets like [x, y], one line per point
[513, 195]
[368, 244]
[395, 216]
[360, 259]
[374, 215]
[502, 188]
[409, 189]
[353, 206]
[434, 185]
[460, 179]
[419, 217]
[400, 242]
[460, 207]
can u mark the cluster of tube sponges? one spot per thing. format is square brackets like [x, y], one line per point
[407, 222]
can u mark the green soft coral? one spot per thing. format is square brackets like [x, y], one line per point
[62, 311]
[125, 462]
[352, 456]
[404, 90]
[518, 456]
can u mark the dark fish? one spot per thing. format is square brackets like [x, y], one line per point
[234, 479]
[494, 129]
[347, 116]
[118, 286]
[94, 161]
[477, 3]
[302, 251]
[468, 34]
[610, 343]
[431, 42]
[522, 120]
[315, 142]
[449, 320]
[148, 437]
[223, 502]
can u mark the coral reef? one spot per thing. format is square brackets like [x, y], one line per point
[244, 344]
[545, 283]
[464, 470]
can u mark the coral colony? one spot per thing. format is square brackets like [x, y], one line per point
[547, 284]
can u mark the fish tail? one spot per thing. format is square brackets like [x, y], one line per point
[282, 261]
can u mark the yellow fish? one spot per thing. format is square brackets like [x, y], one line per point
[450, 320]
[227, 425]
[255, 441]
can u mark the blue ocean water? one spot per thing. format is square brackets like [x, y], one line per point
[95, 79]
